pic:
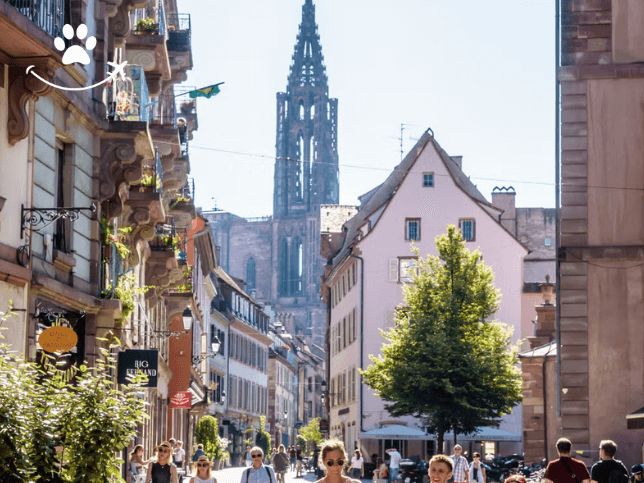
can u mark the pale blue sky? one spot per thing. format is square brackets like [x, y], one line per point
[480, 74]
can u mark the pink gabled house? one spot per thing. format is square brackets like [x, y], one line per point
[369, 259]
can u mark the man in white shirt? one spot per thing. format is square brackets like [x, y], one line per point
[461, 470]
[258, 473]
[179, 454]
[394, 463]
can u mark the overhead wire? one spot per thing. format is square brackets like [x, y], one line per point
[377, 168]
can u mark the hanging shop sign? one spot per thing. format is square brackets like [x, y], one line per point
[182, 400]
[58, 339]
[131, 362]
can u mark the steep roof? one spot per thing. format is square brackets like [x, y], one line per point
[380, 195]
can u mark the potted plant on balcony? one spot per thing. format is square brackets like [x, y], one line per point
[146, 25]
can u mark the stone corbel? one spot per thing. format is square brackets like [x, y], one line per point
[162, 271]
[120, 24]
[121, 163]
[24, 87]
[154, 83]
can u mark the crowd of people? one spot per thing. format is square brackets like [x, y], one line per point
[169, 458]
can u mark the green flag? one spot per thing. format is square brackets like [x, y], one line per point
[206, 92]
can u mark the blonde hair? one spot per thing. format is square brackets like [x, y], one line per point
[204, 458]
[281, 448]
[441, 458]
[333, 445]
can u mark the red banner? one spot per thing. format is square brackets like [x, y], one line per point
[182, 399]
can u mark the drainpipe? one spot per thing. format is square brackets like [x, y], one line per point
[557, 209]
[545, 404]
[361, 334]
[327, 346]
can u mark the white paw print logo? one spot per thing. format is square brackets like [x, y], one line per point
[75, 53]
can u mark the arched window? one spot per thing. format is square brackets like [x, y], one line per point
[283, 266]
[251, 280]
[300, 177]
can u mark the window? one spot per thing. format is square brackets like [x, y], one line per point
[548, 242]
[250, 275]
[62, 227]
[408, 268]
[412, 229]
[467, 227]
[428, 180]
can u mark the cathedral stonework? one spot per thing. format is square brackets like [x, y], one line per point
[278, 257]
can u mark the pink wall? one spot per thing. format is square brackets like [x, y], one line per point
[437, 207]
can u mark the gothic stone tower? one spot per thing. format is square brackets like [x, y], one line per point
[279, 257]
[306, 164]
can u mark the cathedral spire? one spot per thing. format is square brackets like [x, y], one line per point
[308, 62]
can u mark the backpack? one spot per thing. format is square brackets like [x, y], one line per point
[268, 472]
[617, 475]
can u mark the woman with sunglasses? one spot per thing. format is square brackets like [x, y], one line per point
[203, 471]
[333, 458]
[162, 470]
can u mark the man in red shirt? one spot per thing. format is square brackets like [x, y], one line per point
[566, 469]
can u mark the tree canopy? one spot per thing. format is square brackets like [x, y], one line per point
[311, 432]
[444, 361]
[207, 434]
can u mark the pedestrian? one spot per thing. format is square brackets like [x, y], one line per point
[477, 470]
[608, 470]
[381, 472]
[394, 463]
[516, 479]
[298, 461]
[280, 463]
[162, 471]
[566, 469]
[461, 469]
[636, 471]
[137, 464]
[203, 471]
[179, 454]
[292, 454]
[357, 465]
[333, 459]
[258, 472]
[198, 452]
[440, 468]
[247, 458]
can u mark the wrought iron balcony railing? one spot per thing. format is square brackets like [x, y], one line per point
[178, 32]
[49, 15]
[128, 99]
[164, 112]
[149, 20]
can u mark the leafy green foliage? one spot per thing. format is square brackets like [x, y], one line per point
[443, 361]
[207, 433]
[51, 431]
[311, 432]
[146, 25]
[263, 437]
[301, 441]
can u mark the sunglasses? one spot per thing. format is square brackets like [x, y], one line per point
[338, 462]
[164, 451]
[256, 456]
[203, 465]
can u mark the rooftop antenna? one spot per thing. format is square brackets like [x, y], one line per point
[401, 138]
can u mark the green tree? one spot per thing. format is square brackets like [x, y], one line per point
[207, 433]
[311, 432]
[263, 438]
[54, 431]
[443, 361]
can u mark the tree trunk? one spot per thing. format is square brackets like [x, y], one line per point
[455, 440]
[440, 444]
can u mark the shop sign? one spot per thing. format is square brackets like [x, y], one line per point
[131, 362]
[58, 339]
[182, 400]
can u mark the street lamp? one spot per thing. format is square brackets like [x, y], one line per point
[187, 319]
[215, 344]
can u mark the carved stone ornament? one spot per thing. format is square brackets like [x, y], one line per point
[24, 87]
[121, 163]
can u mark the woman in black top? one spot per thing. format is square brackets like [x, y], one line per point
[162, 471]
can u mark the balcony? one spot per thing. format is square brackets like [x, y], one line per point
[48, 15]
[146, 44]
[179, 41]
[128, 101]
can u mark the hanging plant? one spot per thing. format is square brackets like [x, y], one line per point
[146, 25]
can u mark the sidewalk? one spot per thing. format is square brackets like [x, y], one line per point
[234, 475]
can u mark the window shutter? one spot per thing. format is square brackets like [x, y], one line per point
[393, 269]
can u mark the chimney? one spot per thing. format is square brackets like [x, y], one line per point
[505, 199]
[458, 160]
[545, 323]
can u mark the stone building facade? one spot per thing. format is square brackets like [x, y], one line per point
[602, 224]
[278, 256]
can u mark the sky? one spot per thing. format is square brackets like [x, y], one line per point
[481, 75]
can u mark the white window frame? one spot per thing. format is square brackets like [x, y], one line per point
[433, 178]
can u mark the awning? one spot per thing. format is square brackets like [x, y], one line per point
[485, 434]
[396, 431]
[635, 420]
